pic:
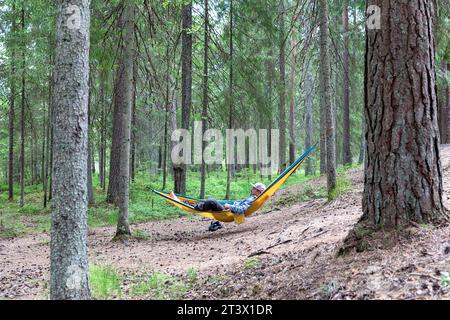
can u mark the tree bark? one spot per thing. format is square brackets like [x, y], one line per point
[230, 111]
[309, 123]
[292, 101]
[68, 250]
[282, 85]
[205, 98]
[403, 175]
[133, 123]
[186, 88]
[22, 117]
[346, 146]
[102, 151]
[12, 107]
[325, 97]
[123, 104]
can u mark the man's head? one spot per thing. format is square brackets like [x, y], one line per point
[258, 188]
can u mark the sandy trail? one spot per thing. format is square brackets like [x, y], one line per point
[295, 248]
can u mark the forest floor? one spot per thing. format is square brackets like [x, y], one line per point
[287, 253]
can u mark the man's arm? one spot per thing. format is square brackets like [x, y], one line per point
[241, 207]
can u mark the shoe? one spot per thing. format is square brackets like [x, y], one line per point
[214, 226]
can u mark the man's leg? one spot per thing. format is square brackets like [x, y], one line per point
[209, 205]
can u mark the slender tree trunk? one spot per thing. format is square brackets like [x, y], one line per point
[325, 97]
[133, 123]
[230, 111]
[205, 98]
[282, 85]
[124, 106]
[69, 277]
[403, 174]
[309, 123]
[12, 102]
[22, 118]
[346, 147]
[47, 151]
[292, 101]
[102, 151]
[89, 158]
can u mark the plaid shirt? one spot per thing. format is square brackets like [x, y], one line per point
[241, 206]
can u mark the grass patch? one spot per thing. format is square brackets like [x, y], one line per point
[105, 282]
[329, 289]
[343, 185]
[445, 279]
[216, 279]
[140, 234]
[307, 193]
[252, 263]
[159, 286]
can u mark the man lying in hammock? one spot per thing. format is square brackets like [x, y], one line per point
[238, 207]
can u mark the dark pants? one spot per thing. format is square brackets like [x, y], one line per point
[209, 205]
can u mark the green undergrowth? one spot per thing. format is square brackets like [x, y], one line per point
[145, 205]
[107, 283]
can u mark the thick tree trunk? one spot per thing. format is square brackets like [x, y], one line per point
[282, 85]
[205, 98]
[346, 147]
[68, 250]
[124, 108]
[403, 175]
[325, 97]
[186, 88]
[362, 142]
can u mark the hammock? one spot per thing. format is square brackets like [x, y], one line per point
[187, 203]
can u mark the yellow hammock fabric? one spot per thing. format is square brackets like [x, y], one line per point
[187, 203]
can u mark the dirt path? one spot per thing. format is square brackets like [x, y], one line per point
[294, 251]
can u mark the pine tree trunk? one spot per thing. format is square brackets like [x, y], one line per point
[22, 119]
[403, 174]
[282, 85]
[12, 102]
[346, 147]
[325, 97]
[133, 123]
[292, 101]
[205, 98]
[309, 123]
[186, 88]
[102, 158]
[443, 104]
[89, 159]
[230, 111]
[47, 150]
[124, 105]
[69, 277]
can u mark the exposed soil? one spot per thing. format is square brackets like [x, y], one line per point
[289, 253]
